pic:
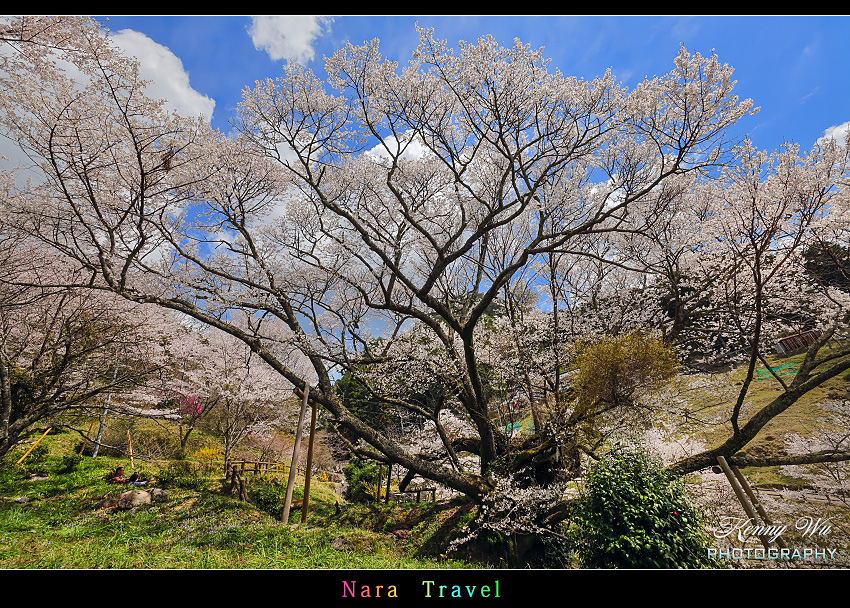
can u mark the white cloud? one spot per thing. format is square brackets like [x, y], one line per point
[839, 133]
[288, 36]
[168, 79]
[410, 149]
[812, 93]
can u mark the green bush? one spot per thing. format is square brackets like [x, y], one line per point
[360, 476]
[268, 492]
[38, 454]
[632, 514]
[36, 462]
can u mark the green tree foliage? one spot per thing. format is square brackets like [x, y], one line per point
[612, 371]
[610, 378]
[633, 514]
[829, 264]
[360, 476]
[360, 401]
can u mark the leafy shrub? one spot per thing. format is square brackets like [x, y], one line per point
[35, 462]
[360, 476]
[38, 454]
[268, 492]
[633, 514]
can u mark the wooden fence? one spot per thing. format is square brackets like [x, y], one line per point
[257, 467]
[237, 483]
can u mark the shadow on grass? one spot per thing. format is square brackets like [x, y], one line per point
[430, 526]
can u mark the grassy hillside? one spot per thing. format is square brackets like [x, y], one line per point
[50, 518]
[56, 508]
[708, 400]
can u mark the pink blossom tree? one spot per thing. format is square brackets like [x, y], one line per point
[62, 349]
[381, 225]
[768, 208]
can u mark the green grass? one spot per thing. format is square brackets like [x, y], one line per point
[710, 408]
[57, 526]
[52, 523]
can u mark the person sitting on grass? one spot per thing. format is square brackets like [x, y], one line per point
[118, 477]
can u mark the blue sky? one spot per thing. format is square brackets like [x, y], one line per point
[795, 68]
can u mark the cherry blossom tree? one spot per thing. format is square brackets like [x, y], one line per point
[181, 391]
[378, 226]
[62, 349]
[728, 270]
[250, 396]
[769, 209]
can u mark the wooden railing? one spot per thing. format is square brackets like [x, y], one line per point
[260, 466]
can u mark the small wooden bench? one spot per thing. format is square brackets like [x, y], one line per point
[398, 495]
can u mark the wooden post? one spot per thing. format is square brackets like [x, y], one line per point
[293, 465]
[243, 493]
[380, 481]
[742, 497]
[749, 491]
[305, 508]
[130, 445]
[233, 480]
[389, 477]
[21, 459]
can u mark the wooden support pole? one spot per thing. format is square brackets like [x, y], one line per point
[21, 459]
[389, 477]
[749, 491]
[742, 497]
[83, 447]
[293, 465]
[305, 508]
